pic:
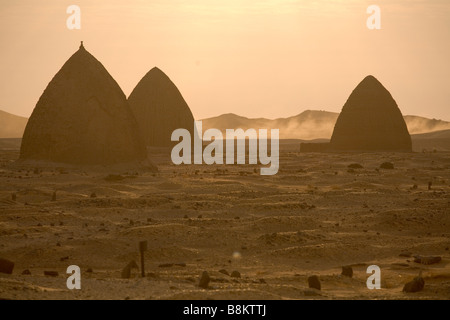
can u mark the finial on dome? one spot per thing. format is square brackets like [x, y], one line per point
[81, 45]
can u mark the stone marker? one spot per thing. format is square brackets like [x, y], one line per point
[204, 280]
[314, 282]
[416, 285]
[6, 266]
[347, 271]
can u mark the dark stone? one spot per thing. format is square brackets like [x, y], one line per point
[311, 293]
[6, 266]
[235, 274]
[387, 165]
[414, 286]
[180, 264]
[347, 271]
[355, 166]
[26, 272]
[165, 265]
[405, 254]
[427, 259]
[224, 272]
[51, 273]
[204, 280]
[314, 282]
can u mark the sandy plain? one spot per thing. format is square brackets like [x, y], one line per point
[315, 216]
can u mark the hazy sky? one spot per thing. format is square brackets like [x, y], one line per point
[256, 58]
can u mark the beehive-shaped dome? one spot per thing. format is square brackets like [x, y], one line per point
[159, 109]
[370, 121]
[82, 117]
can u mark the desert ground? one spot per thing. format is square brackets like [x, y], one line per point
[315, 216]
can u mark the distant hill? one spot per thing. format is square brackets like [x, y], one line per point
[307, 125]
[310, 124]
[11, 126]
[418, 125]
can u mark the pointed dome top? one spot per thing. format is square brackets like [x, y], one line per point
[158, 76]
[82, 118]
[159, 108]
[81, 45]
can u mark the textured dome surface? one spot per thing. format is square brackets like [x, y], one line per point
[159, 109]
[82, 117]
[370, 121]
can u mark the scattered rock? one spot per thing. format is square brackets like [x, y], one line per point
[54, 196]
[126, 272]
[427, 259]
[51, 273]
[314, 282]
[415, 286]
[387, 165]
[235, 274]
[114, 177]
[89, 270]
[224, 272]
[204, 280]
[64, 258]
[6, 266]
[262, 281]
[26, 272]
[181, 264]
[311, 293]
[165, 265]
[347, 271]
[355, 166]
[405, 254]
[93, 195]
[13, 197]
[429, 185]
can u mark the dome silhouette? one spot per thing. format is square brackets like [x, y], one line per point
[159, 109]
[82, 118]
[370, 120]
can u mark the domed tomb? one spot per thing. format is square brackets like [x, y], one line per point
[370, 120]
[82, 117]
[159, 109]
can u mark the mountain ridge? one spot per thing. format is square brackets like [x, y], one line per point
[308, 125]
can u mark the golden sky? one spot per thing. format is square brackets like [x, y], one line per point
[256, 58]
